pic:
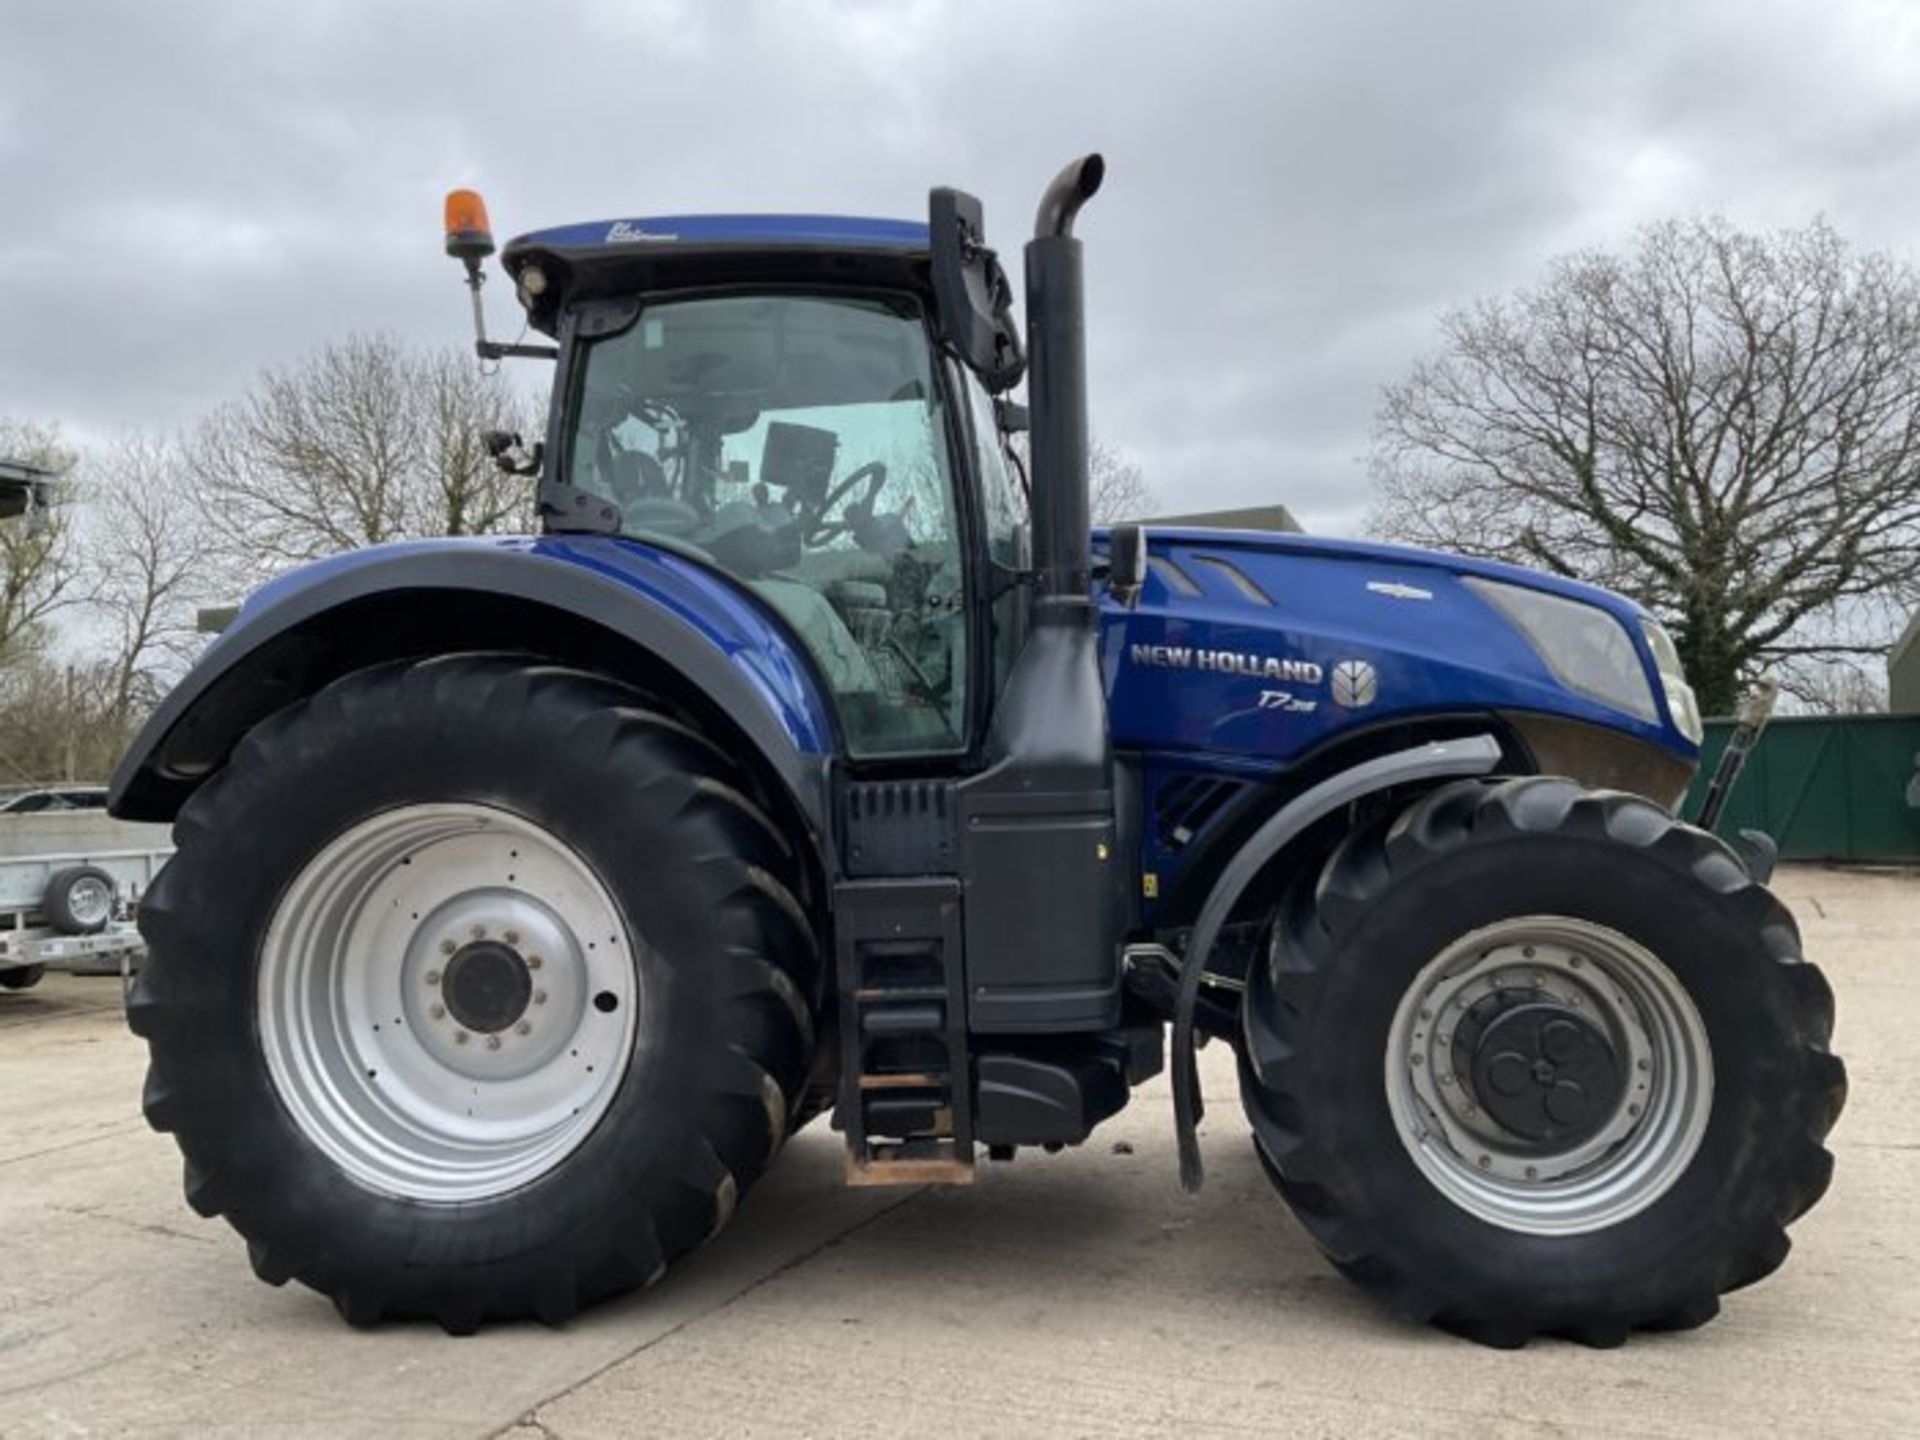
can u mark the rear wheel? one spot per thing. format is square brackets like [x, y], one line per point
[22, 977]
[1530, 1059]
[477, 989]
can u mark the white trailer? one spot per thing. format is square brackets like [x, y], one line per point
[70, 885]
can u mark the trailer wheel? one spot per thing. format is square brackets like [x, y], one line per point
[79, 900]
[1528, 1059]
[22, 977]
[477, 989]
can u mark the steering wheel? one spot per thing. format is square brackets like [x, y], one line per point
[819, 530]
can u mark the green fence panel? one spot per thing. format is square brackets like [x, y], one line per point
[1826, 787]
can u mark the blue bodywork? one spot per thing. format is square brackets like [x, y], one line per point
[705, 602]
[1435, 646]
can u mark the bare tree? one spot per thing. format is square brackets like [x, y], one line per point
[1724, 425]
[148, 562]
[1120, 491]
[36, 574]
[363, 442]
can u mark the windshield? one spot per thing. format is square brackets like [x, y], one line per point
[798, 442]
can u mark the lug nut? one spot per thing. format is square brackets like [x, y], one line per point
[512, 937]
[523, 1028]
[1532, 1173]
[447, 947]
[438, 1012]
[493, 1042]
[539, 997]
[1416, 1058]
[459, 1037]
[534, 962]
[433, 977]
[1633, 1109]
[478, 932]
[1575, 961]
[1446, 1079]
[1486, 1162]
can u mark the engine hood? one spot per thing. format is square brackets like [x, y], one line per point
[1262, 646]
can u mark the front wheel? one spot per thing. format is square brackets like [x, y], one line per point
[1531, 1059]
[477, 989]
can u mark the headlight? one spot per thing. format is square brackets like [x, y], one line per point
[1681, 703]
[1586, 648]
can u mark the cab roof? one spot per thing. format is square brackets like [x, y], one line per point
[600, 258]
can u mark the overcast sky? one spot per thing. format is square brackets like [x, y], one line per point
[190, 191]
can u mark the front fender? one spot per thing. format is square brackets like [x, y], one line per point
[642, 611]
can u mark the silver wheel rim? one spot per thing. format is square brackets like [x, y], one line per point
[90, 900]
[363, 1030]
[1641, 1147]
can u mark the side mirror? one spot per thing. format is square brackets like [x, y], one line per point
[1126, 563]
[973, 303]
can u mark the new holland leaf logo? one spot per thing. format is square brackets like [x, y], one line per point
[1354, 684]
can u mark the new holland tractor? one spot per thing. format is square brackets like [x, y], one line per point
[531, 892]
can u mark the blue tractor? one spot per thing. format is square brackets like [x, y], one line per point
[531, 892]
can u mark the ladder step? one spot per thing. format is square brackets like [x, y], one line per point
[916, 1170]
[875, 994]
[918, 1081]
[914, 1019]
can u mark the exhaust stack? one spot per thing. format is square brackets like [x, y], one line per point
[1057, 392]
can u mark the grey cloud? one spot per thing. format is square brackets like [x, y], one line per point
[192, 191]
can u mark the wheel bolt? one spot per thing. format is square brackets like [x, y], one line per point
[523, 1028]
[1527, 951]
[534, 962]
[539, 997]
[512, 937]
[1416, 1059]
[1575, 961]
[438, 1012]
[433, 977]
[459, 1037]
[1426, 1014]
[493, 1042]
[1633, 1109]
[478, 932]
[447, 947]
[1486, 1162]
[1532, 1173]
[1643, 1064]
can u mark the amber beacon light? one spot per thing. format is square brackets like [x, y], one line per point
[469, 237]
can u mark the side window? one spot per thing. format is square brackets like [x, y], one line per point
[1005, 500]
[799, 443]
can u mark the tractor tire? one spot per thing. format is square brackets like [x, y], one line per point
[79, 900]
[1530, 1059]
[477, 990]
[22, 977]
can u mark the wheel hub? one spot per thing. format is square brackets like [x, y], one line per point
[487, 986]
[447, 1001]
[1539, 1069]
[1549, 1075]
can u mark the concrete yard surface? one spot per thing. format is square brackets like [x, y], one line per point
[1076, 1294]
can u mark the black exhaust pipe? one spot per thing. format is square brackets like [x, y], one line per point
[1057, 392]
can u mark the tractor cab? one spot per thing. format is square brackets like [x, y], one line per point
[769, 396]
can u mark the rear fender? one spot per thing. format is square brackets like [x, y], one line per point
[661, 620]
